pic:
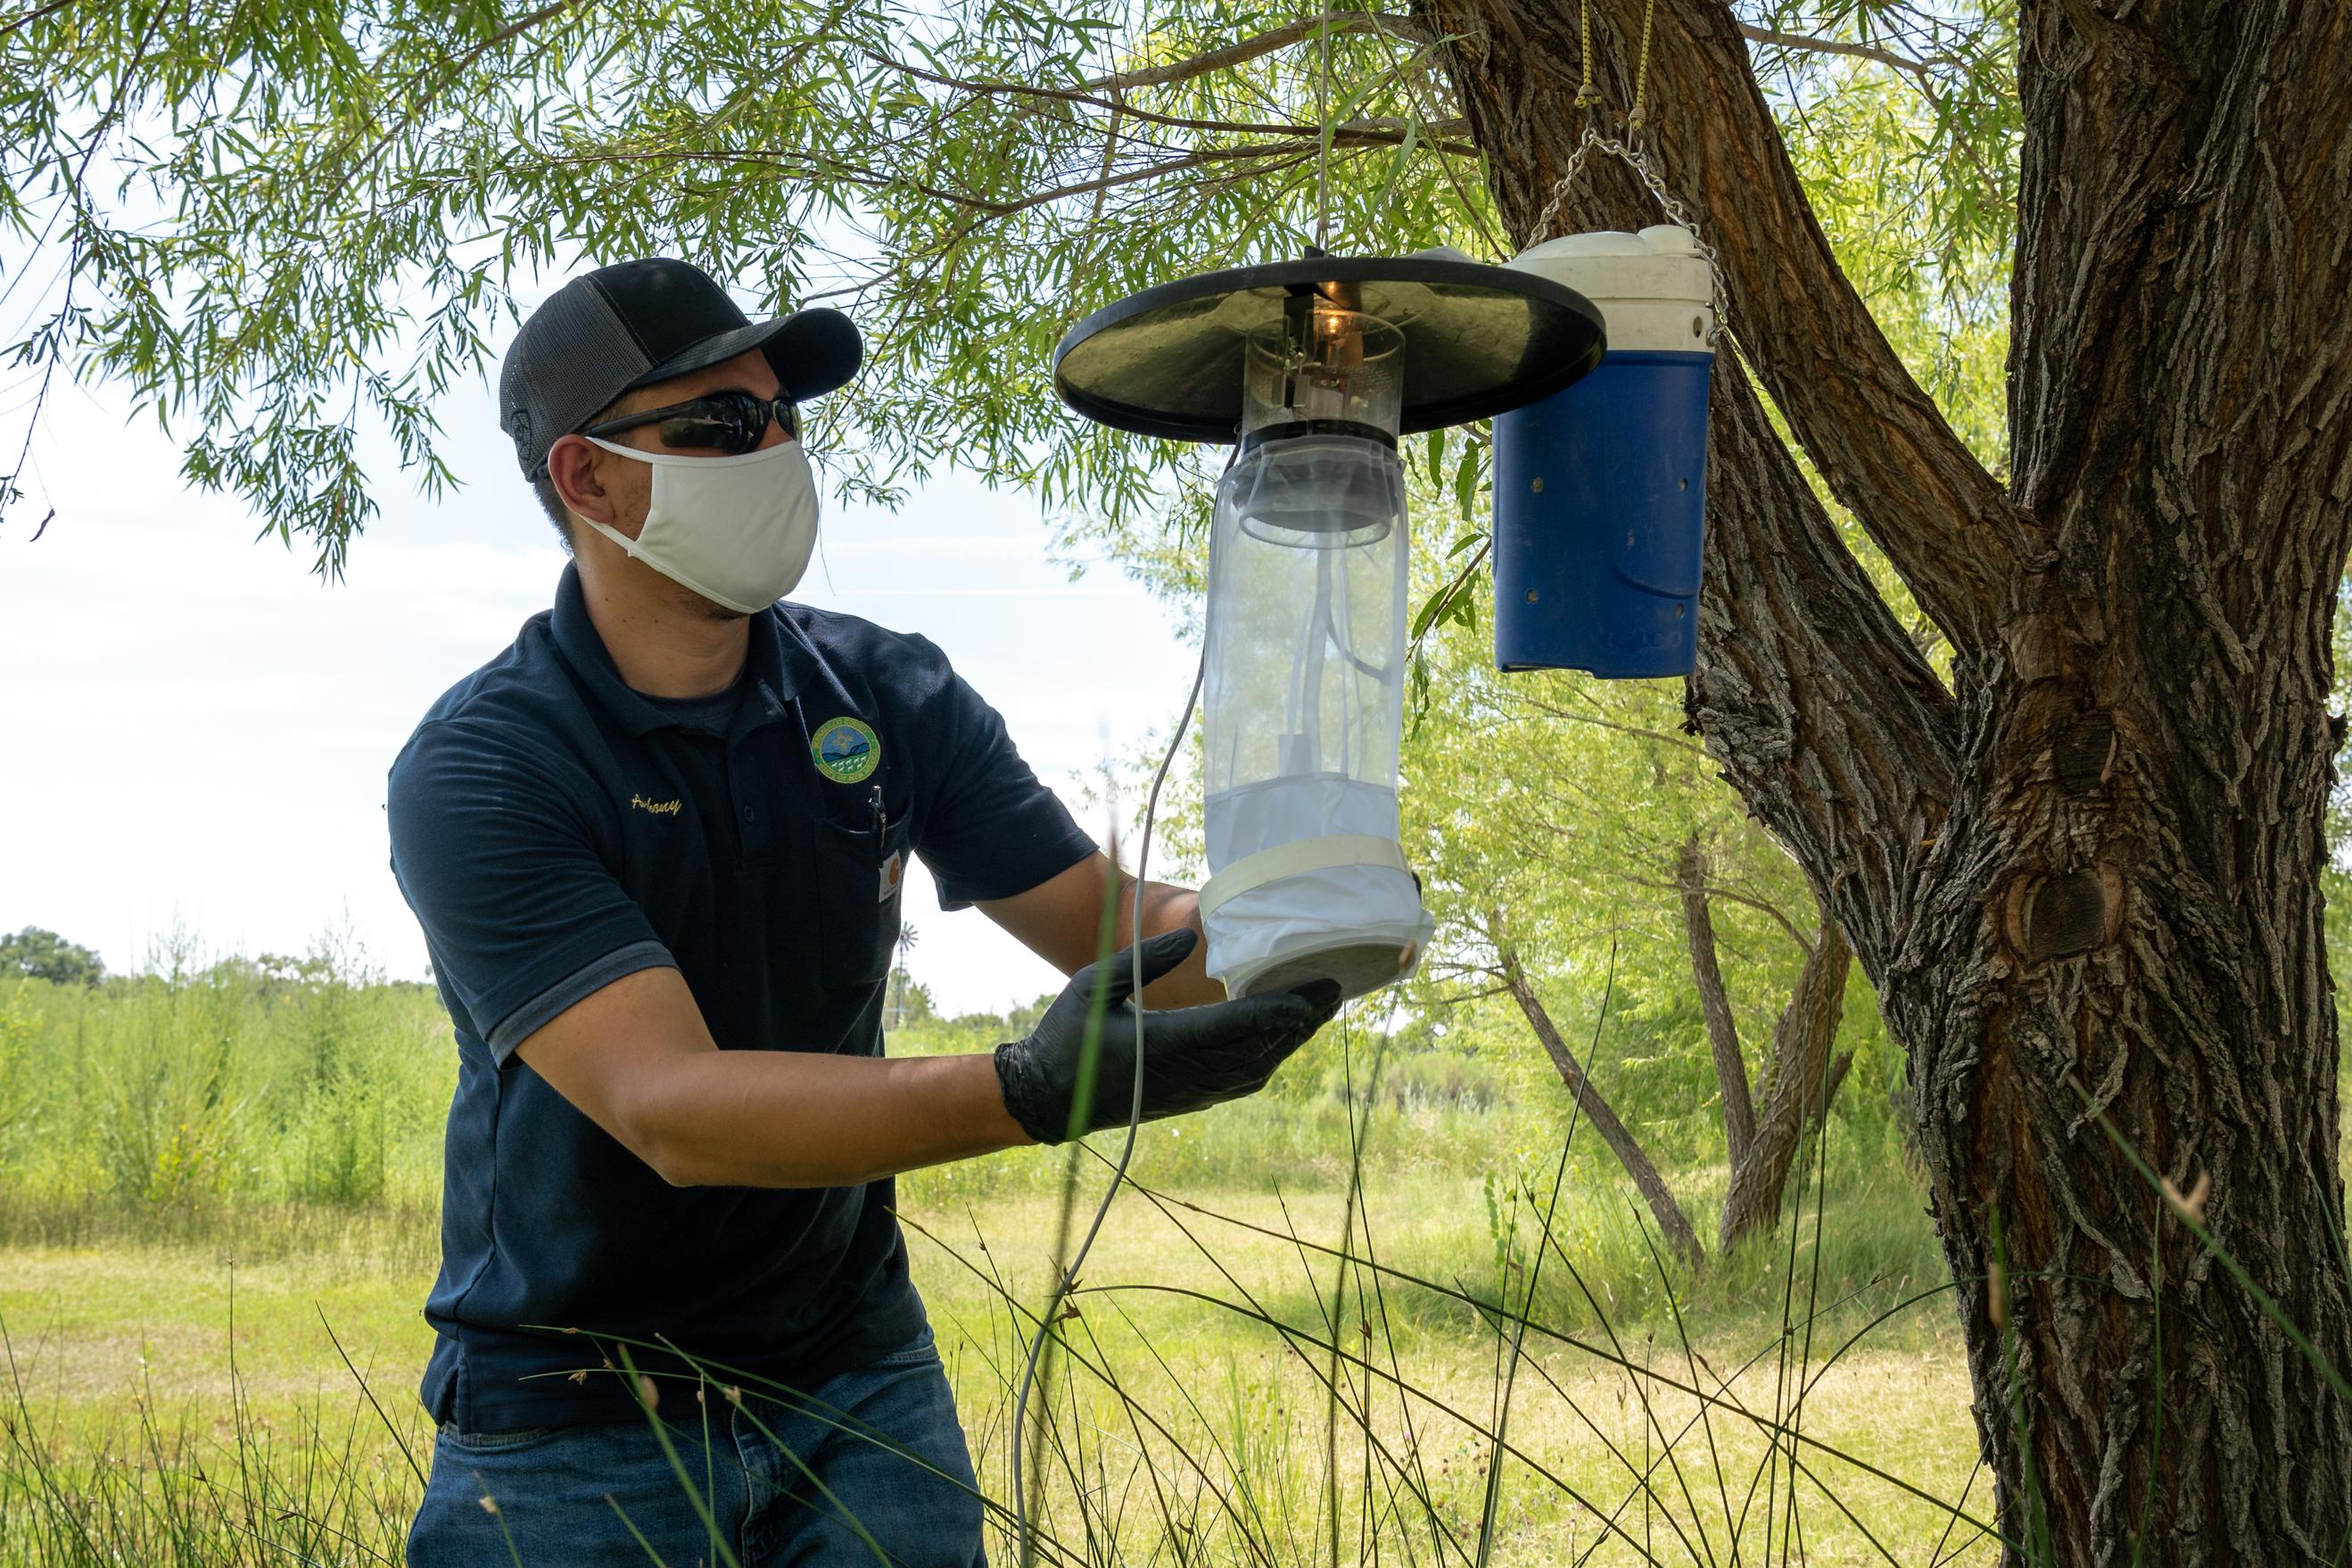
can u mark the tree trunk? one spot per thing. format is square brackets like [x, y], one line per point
[1613, 1132]
[1798, 1090]
[1801, 1081]
[2086, 876]
[1722, 1029]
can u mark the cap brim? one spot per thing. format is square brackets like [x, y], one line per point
[814, 351]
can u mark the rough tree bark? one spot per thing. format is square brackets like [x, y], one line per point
[1715, 1002]
[2086, 875]
[1613, 1132]
[1799, 1086]
[1801, 1081]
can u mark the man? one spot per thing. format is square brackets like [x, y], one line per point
[656, 847]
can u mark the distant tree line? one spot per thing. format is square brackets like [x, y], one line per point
[334, 961]
[35, 953]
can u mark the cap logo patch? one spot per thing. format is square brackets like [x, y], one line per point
[845, 749]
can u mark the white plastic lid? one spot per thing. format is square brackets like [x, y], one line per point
[1661, 262]
[1653, 287]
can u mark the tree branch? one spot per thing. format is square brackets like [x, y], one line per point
[77, 199]
[1114, 105]
[1715, 1003]
[1457, 998]
[1574, 718]
[1250, 49]
[1798, 1086]
[1273, 154]
[1716, 890]
[31, 16]
[1613, 1132]
[452, 73]
[1875, 436]
[1807, 43]
[1205, 158]
[1824, 716]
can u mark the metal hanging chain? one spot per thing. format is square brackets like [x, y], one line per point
[1630, 151]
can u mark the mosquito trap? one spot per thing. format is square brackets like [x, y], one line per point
[1315, 368]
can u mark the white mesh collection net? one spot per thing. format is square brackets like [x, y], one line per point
[1304, 698]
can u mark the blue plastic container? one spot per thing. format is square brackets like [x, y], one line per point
[1599, 497]
[1600, 490]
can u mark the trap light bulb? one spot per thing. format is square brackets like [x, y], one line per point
[1331, 374]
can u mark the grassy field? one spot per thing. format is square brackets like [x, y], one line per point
[215, 1233]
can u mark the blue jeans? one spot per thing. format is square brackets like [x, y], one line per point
[880, 1445]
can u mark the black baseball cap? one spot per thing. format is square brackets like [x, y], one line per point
[621, 327]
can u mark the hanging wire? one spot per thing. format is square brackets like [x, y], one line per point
[1024, 1528]
[1323, 151]
[1629, 149]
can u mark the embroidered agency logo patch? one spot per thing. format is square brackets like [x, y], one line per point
[845, 749]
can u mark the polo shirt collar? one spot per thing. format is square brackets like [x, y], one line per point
[776, 660]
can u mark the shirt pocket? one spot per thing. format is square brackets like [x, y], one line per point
[860, 875]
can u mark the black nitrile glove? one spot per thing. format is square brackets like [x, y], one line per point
[1193, 1057]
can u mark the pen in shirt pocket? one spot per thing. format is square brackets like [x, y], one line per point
[886, 863]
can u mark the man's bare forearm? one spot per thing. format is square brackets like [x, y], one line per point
[1167, 908]
[794, 1119]
[1060, 920]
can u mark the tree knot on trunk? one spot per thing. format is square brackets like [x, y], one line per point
[2082, 754]
[2064, 913]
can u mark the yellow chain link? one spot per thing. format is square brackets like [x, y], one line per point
[1642, 71]
[1630, 151]
[1586, 94]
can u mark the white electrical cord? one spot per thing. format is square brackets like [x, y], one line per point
[1134, 1121]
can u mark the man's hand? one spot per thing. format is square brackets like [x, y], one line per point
[1193, 1057]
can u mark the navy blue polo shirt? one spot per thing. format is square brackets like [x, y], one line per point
[553, 831]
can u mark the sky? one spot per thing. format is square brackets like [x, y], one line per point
[194, 730]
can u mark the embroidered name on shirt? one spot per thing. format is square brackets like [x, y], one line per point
[659, 807]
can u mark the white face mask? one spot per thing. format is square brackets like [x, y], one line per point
[736, 530]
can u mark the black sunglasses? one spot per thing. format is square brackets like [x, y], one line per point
[734, 422]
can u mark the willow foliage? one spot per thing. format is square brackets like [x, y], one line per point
[282, 223]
